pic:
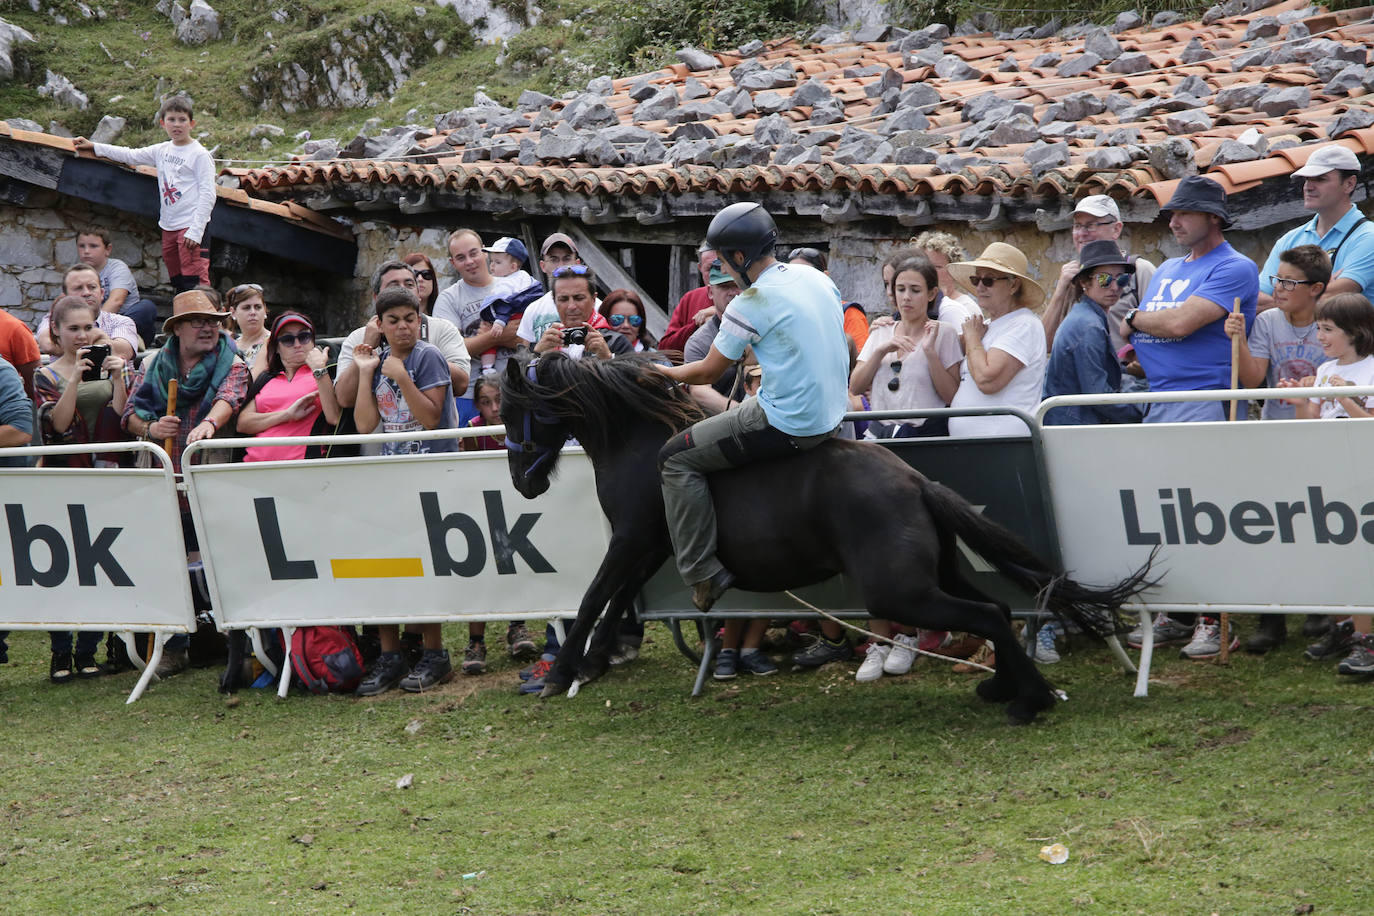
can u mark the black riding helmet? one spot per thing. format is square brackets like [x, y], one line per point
[746, 228]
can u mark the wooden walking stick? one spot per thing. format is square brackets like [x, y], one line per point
[170, 442]
[1224, 657]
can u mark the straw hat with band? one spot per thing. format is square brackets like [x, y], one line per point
[1003, 258]
[188, 304]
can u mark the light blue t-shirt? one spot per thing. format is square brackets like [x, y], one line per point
[15, 407]
[1354, 261]
[1202, 360]
[793, 319]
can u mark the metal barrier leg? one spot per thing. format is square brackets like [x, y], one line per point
[1114, 644]
[559, 631]
[260, 651]
[675, 625]
[1147, 649]
[284, 684]
[159, 639]
[132, 647]
[708, 652]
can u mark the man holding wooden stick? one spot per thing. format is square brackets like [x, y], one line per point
[1179, 335]
[188, 391]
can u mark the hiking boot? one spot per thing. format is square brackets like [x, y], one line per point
[475, 657]
[984, 656]
[383, 674]
[899, 660]
[538, 671]
[1271, 633]
[1167, 631]
[1042, 651]
[527, 672]
[435, 668]
[757, 664]
[412, 648]
[519, 642]
[823, 652]
[872, 667]
[1360, 661]
[706, 592]
[174, 661]
[1315, 625]
[1206, 641]
[727, 665]
[1336, 643]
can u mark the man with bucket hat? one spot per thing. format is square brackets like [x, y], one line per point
[1328, 183]
[1179, 330]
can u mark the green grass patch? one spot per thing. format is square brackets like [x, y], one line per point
[1228, 790]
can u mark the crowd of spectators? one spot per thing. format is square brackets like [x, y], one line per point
[956, 331]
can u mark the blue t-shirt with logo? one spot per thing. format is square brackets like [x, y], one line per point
[1202, 360]
[793, 319]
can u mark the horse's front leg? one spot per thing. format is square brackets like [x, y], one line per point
[606, 637]
[615, 566]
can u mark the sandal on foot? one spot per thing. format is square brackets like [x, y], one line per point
[87, 668]
[60, 669]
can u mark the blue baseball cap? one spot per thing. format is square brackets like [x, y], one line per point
[513, 247]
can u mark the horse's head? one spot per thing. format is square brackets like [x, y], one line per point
[534, 434]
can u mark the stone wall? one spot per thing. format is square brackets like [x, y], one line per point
[378, 242]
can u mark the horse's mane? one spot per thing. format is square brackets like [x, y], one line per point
[593, 395]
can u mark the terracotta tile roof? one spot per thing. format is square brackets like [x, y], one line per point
[1175, 57]
[289, 211]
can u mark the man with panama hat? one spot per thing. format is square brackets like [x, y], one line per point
[1328, 183]
[1179, 331]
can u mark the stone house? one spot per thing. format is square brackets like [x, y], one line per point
[856, 142]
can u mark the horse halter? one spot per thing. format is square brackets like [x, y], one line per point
[526, 445]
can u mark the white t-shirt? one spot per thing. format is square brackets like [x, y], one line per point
[1020, 334]
[185, 177]
[955, 309]
[915, 389]
[1359, 373]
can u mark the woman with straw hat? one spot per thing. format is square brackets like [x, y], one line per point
[1004, 360]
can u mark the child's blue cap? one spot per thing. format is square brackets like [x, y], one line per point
[513, 247]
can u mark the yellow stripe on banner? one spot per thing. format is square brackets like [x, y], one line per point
[385, 568]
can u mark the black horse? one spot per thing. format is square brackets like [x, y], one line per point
[842, 507]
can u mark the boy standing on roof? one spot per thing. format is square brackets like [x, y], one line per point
[186, 180]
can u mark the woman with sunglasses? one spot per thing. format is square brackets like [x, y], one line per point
[912, 363]
[248, 313]
[1004, 359]
[1083, 361]
[426, 280]
[624, 313]
[292, 392]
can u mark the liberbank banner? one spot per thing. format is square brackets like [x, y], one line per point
[1247, 516]
[406, 539]
[92, 550]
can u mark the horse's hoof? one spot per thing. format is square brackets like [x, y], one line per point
[1023, 710]
[996, 690]
[552, 690]
[588, 673]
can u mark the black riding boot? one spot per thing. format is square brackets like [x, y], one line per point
[1271, 633]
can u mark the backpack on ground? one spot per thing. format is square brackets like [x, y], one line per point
[326, 659]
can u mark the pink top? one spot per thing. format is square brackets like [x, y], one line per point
[279, 394]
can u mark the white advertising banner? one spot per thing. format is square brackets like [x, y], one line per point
[92, 550]
[409, 539]
[1274, 515]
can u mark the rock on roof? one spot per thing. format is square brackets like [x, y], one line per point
[1240, 95]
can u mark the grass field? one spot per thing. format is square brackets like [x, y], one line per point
[1229, 790]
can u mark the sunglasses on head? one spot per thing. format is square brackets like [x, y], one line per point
[984, 281]
[1105, 280]
[895, 382]
[617, 320]
[572, 270]
[808, 254]
[244, 287]
[300, 337]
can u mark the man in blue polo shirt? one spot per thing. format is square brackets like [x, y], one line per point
[790, 315]
[1339, 228]
[1179, 331]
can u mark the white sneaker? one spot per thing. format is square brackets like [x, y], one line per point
[902, 655]
[872, 667]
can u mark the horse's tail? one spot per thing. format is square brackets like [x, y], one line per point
[1096, 610]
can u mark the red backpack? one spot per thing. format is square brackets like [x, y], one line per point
[326, 659]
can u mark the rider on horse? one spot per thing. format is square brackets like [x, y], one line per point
[791, 315]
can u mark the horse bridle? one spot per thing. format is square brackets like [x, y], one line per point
[527, 445]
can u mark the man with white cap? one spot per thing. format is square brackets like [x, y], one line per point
[1096, 218]
[1339, 228]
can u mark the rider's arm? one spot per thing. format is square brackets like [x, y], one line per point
[702, 372]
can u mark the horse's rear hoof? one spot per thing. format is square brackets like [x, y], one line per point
[552, 690]
[1024, 710]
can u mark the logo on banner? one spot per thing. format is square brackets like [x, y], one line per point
[458, 545]
[1182, 519]
[87, 555]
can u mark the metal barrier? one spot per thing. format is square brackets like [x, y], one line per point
[112, 557]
